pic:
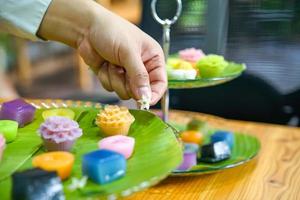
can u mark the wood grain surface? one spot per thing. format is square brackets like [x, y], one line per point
[273, 174]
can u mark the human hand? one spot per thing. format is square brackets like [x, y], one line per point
[126, 60]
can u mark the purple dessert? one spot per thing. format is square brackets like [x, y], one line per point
[189, 156]
[17, 110]
[59, 133]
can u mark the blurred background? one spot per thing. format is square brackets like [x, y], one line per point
[264, 34]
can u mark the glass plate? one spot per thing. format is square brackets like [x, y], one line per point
[157, 151]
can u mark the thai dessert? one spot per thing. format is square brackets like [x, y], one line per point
[2, 145]
[103, 166]
[211, 66]
[214, 152]
[114, 120]
[17, 110]
[189, 156]
[59, 161]
[9, 129]
[223, 136]
[191, 54]
[178, 69]
[36, 184]
[192, 136]
[59, 133]
[62, 112]
[118, 143]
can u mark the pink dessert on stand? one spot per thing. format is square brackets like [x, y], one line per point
[191, 54]
[59, 133]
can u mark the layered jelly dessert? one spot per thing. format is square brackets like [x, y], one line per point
[215, 152]
[17, 110]
[103, 166]
[189, 156]
[223, 136]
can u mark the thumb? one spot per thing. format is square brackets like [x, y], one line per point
[138, 77]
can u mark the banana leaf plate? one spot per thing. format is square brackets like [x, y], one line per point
[157, 152]
[245, 148]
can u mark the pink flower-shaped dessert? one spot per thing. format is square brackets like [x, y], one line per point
[59, 133]
[2, 145]
[191, 54]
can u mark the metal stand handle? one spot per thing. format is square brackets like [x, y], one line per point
[166, 24]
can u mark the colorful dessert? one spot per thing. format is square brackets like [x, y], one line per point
[114, 120]
[191, 54]
[62, 112]
[2, 145]
[197, 125]
[59, 133]
[211, 66]
[36, 184]
[223, 136]
[17, 110]
[215, 152]
[189, 156]
[118, 143]
[192, 136]
[180, 70]
[59, 161]
[103, 166]
[9, 129]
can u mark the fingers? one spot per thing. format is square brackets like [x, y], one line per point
[118, 81]
[103, 76]
[113, 78]
[138, 76]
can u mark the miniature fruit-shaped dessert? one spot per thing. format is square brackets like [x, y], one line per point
[2, 145]
[9, 129]
[191, 136]
[17, 110]
[211, 66]
[197, 125]
[59, 133]
[114, 120]
[118, 143]
[103, 166]
[62, 112]
[191, 54]
[59, 161]
[36, 184]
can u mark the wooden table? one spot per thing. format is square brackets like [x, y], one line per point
[274, 174]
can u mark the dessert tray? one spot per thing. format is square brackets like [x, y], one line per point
[157, 152]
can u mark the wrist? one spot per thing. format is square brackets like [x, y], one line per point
[67, 21]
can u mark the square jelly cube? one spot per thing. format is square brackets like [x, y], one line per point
[215, 152]
[17, 110]
[36, 184]
[103, 166]
[223, 136]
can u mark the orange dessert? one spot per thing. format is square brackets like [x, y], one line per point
[191, 136]
[59, 161]
[114, 120]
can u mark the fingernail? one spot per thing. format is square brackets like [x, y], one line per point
[144, 91]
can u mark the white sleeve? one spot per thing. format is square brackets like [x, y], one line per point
[22, 17]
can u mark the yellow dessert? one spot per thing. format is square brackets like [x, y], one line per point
[114, 120]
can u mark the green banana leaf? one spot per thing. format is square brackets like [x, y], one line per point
[157, 152]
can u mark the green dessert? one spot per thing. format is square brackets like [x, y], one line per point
[211, 66]
[9, 129]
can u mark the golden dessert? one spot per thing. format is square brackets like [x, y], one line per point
[114, 120]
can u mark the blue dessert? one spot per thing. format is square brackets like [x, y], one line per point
[223, 136]
[215, 152]
[37, 184]
[103, 166]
